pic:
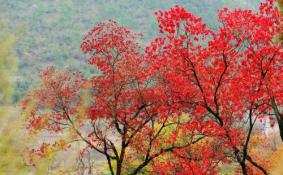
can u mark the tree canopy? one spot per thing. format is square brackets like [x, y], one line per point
[187, 102]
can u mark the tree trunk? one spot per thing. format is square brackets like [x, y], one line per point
[244, 168]
[280, 125]
[279, 117]
[119, 168]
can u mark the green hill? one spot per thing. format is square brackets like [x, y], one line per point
[49, 32]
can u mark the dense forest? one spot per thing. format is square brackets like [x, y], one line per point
[50, 32]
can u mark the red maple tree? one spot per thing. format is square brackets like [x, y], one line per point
[186, 104]
[227, 76]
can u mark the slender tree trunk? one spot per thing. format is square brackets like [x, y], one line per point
[119, 168]
[244, 168]
[280, 125]
[279, 117]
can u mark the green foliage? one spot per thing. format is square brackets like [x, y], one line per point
[8, 66]
[50, 32]
[11, 158]
[11, 147]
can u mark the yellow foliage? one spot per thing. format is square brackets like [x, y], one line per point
[8, 67]
[277, 161]
[11, 147]
[80, 117]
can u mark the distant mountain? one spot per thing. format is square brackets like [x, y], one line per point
[49, 32]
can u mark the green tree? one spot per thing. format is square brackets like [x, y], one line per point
[11, 147]
[8, 67]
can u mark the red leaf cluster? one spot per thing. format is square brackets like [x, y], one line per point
[185, 104]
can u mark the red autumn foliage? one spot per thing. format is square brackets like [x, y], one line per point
[185, 105]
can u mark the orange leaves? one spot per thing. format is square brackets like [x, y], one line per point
[48, 150]
[57, 94]
[37, 123]
[276, 161]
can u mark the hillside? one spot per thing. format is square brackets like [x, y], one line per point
[49, 32]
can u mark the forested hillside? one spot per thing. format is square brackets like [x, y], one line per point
[49, 32]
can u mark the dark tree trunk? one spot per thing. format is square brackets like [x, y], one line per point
[279, 117]
[244, 168]
[119, 168]
[280, 125]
